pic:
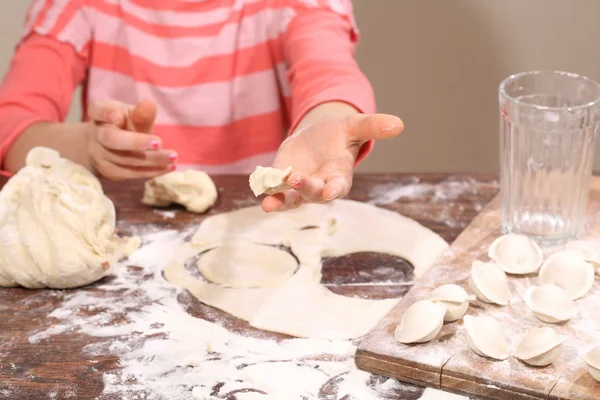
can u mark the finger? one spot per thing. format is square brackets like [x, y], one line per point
[282, 201]
[338, 185]
[117, 139]
[154, 158]
[309, 187]
[143, 116]
[110, 112]
[363, 127]
[116, 172]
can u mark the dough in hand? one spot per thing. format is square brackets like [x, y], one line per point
[192, 189]
[269, 180]
[57, 228]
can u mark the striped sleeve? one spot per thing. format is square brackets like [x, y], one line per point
[54, 37]
[319, 46]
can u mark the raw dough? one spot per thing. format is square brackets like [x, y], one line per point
[192, 189]
[550, 303]
[516, 254]
[540, 346]
[247, 265]
[455, 298]
[592, 359]
[421, 322]
[568, 270]
[57, 228]
[489, 283]
[485, 337]
[300, 305]
[268, 180]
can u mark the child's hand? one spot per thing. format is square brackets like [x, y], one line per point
[322, 156]
[120, 143]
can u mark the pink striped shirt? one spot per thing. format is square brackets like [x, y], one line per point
[230, 77]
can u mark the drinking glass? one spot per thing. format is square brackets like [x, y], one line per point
[549, 122]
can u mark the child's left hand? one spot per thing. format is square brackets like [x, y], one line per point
[323, 155]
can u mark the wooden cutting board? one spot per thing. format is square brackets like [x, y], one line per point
[447, 362]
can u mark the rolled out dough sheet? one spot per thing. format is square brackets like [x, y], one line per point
[299, 305]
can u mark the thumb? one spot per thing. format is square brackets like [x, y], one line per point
[143, 116]
[364, 127]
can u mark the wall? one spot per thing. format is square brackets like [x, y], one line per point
[437, 64]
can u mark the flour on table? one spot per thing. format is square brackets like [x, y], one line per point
[166, 353]
[298, 305]
[446, 192]
[57, 228]
[165, 214]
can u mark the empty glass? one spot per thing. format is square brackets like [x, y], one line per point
[549, 121]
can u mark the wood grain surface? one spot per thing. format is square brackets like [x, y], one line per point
[447, 362]
[443, 203]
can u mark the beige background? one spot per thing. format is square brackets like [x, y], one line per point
[437, 64]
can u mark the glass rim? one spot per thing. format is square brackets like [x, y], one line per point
[513, 77]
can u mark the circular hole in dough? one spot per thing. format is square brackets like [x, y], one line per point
[247, 265]
[355, 274]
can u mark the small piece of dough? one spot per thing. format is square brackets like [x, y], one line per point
[421, 322]
[516, 254]
[455, 298]
[550, 303]
[485, 337]
[592, 359]
[194, 190]
[57, 228]
[269, 180]
[247, 265]
[489, 283]
[568, 270]
[540, 346]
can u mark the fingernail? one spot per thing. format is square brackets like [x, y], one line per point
[172, 167]
[390, 128]
[333, 195]
[154, 144]
[294, 181]
[113, 118]
[173, 157]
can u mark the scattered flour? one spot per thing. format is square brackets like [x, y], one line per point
[165, 214]
[443, 194]
[165, 353]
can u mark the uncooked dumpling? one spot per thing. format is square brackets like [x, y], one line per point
[57, 228]
[489, 283]
[268, 180]
[568, 270]
[485, 337]
[516, 254]
[192, 189]
[550, 303]
[586, 249]
[592, 359]
[421, 322]
[455, 298]
[540, 346]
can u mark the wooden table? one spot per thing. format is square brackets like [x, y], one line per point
[443, 203]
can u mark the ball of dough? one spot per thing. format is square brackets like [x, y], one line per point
[57, 228]
[247, 265]
[192, 189]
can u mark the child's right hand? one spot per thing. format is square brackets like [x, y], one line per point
[120, 143]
